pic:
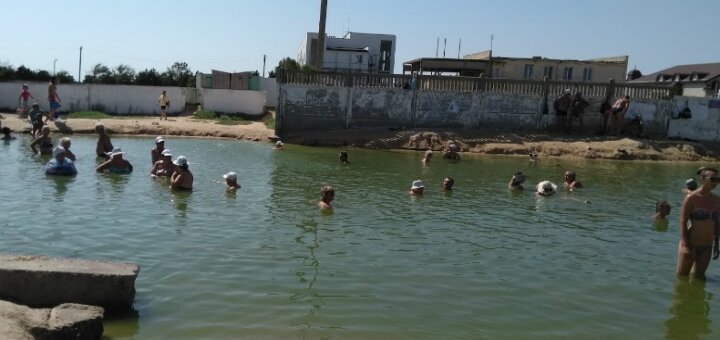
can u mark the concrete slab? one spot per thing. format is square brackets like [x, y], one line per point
[41, 281]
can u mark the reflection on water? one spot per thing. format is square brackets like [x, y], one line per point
[690, 311]
[661, 225]
[123, 326]
[309, 295]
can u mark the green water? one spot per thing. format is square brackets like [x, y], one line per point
[480, 262]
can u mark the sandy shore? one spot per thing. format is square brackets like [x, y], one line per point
[546, 145]
[177, 126]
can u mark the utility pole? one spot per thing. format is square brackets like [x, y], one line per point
[54, 61]
[459, 45]
[444, 47]
[437, 47]
[80, 66]
[264, 58]
[321, 36]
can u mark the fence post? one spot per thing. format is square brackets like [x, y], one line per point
[349, 97]
[610, 91]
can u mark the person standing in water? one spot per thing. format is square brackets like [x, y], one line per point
[327, 195]
[156, 152]
[428, 157]
[44, 141]
[116, 164]
[60, 165]
[182, 178]
[104, 145]
[231, 181]
[516, 181]
[417, 188]
[65, 143]
[699, 227]
[163, 167]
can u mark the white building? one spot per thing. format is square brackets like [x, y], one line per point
[356, 52]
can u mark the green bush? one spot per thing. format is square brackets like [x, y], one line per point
[205, 115]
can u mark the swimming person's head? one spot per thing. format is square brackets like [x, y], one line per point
[45, 131]
[448, 183]
[327, 194]
[343, 157]
[159, 142]
[99, 127]
[569, 176]
[182, 162]
[166, 155]
[230, 179]
[116, 153]
[65, 142]
[59, 153]
[518, 178]
[417, 187]
[662, 208]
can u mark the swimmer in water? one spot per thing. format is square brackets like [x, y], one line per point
[428, 156]
[327, 195]
[417, 187]
[231, 181]
[156, 151]
[662, 210]
[116, 164]
[104, 145]
[344, 157]
[182, 178]
[690, 186]
[59, 165]
[163, 167]
[570, 182]
[278, 145]
[65, 142]
[546, 188]
[44, 141]
[448, 183]
[516, 181]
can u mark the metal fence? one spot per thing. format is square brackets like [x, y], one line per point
[471, 84]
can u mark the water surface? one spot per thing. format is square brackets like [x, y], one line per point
[265, 263]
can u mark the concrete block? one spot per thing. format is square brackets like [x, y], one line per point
[40, 281]
[64, 322]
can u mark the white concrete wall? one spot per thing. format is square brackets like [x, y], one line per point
[694, 90]
[233, 101]
[270, 88]
[114, 99]
[704, 124]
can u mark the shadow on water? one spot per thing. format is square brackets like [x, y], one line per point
[661, 225]
[61, 184]
[121, 326]
[690, 311]
[309, 295]
[181, 200]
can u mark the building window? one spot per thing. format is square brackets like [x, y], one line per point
[528, 73]
[359, 59]
[567, 73]
[548, 72]
[587, 74]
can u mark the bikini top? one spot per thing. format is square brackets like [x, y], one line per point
[702, 215]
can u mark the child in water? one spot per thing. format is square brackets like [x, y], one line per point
[662, 210]
[327, 195]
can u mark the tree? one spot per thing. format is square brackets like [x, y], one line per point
[24, 73]
[100, 74]
[7, 73]
[43, 75]
[64, 77]
[286, 64]
[124, 74]
[148, 77]
[178, 74]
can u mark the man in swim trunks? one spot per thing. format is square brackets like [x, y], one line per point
[618, 111]
[699, 239]
[53, 98]
[164, 104]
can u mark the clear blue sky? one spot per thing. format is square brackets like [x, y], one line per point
[234, 35]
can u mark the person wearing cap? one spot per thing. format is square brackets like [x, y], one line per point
[164, 167]
[231, 181]
[516, 181]
[116, 164]
[327, 195]
[428, 156]
[35, 115]
[699, 227]
[344, 157]
[417, 187]
[562, 104]
[60, 165]
[44, 141]
[448, 183]
[182, 178]
[278, 145]
[570, 182]
[65, 143]
[104, 145]
[690, 186]
[157, 150]
[546, 188]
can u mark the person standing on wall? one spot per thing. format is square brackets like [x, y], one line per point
[54, 100]
[164, 104]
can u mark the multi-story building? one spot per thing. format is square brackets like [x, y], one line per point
[697, 80]
[355, 52]
[535, 68]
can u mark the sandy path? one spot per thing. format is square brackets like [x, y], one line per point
[178, 126]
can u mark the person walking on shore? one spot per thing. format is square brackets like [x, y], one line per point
[23, 101]
[54, 100]
[164, 104]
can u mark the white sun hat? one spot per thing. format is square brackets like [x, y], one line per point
[115, 151]
[159, 139]
[181, 161]
[166, 153]
[417, 184]
[230, 175]
[546, 188]
[279, 143]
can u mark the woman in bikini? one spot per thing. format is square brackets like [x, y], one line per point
[699, 238]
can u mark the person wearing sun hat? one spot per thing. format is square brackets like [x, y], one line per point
[546, 188]
[163, 167]
[231, 180]
[417, 187]
[116, 164]
[278, 145]
[60, 165]
[156, 151]
[182, 178]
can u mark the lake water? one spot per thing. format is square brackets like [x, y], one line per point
[265, 263]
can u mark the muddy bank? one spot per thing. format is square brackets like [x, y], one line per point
[545, 145]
